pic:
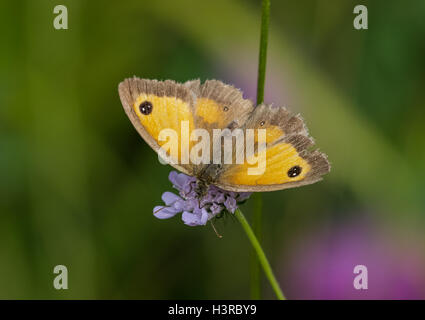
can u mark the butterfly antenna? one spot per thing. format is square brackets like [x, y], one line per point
[191, 188]
[199, 204]
[215, 230]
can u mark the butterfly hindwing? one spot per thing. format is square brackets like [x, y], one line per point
[289, 160]
[218, 106]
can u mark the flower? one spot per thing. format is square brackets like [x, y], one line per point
[196, 210]
[321, 263]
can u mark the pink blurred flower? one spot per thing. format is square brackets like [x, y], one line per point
[321, 265]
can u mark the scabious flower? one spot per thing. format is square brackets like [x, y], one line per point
[196, 211]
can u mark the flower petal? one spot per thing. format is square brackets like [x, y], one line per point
[216, 208]
[162, 212]
[169, 198]
[243, 196]
[204, 216]
[191, 219]
[180, 180]
[173, 177]
[179, 205]
[230, 204]
[191, 205]
[220, 198]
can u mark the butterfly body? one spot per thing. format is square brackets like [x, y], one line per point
[155, 107]
[201, 188]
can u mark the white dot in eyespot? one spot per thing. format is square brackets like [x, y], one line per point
[294, 171]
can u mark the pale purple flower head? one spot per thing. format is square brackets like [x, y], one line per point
[196, 211]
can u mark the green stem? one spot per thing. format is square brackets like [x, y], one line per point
[260, 254]
[265, 17]
[255, 265]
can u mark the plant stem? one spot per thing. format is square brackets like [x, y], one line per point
[260, 254]
[265, 17]
[255, 265]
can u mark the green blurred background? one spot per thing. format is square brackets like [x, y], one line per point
[77, 183]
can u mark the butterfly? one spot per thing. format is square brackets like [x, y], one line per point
[153, 106]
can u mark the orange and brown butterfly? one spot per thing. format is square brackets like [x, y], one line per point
[154, 105]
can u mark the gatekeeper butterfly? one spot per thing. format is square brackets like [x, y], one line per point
[153, 106]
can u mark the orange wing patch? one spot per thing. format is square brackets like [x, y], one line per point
[165, 113]
[211, 112]
[218, 105]
[272, 134]
[280, 159]
[286, 161]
